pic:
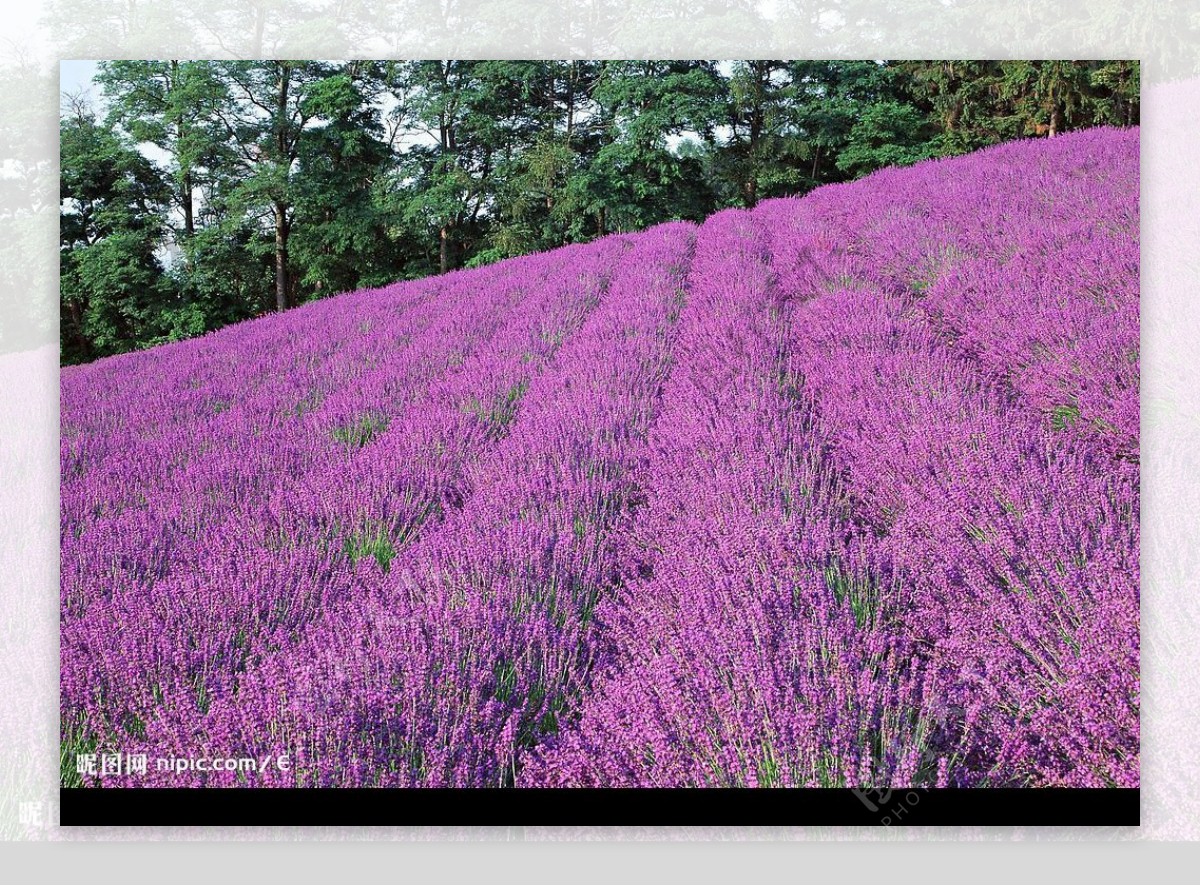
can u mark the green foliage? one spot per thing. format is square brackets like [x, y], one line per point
[171, 105]
[361, 431]
[764, 156]
[344, 238]
[227, 276]
[498, 413]
[860, 592]
[886, 134]
[372, 541]
[74, 742]
[633, 179]
[488, 256]
[1062, 417]
[113, 206]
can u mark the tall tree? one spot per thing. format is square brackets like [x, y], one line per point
[635, 178]
[169, 105]
[1049, 97]
[113, 289]
[540, 193]
[965, 101]
[762, 149]
[341, 241]
[851, 117]
[1116, 92]
[445, 174]
[264, 114]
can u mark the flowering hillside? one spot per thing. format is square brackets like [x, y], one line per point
[840, 491]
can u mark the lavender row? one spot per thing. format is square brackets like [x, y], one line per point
[750, 644]
[198, 414]
[1008, 278]
[1025, 258]
[497, 601]
[157, 493]
[1018, 557]
[265, 570]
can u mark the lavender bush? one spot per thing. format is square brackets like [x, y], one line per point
[840, 491]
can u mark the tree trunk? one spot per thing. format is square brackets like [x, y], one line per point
[189, 219]
[757, 124]
[185, 186]
[444, 249]
[1055, 121]
[750, 192]
[81, 340]
[281, 258]
[571, 69]
[281, 221]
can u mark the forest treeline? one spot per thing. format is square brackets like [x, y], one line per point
[214, 191]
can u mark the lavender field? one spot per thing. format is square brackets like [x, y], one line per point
[839, 491]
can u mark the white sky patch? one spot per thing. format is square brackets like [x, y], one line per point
[76, 75]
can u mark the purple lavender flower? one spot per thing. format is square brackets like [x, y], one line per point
[843, 491]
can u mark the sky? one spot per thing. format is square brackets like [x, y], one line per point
[74, 74]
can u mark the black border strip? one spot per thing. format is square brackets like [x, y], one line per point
[641, 807]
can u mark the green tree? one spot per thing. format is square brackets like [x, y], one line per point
[1046, 97]
[763, 155]
[444, 178]
[854, 117]
[264, 112]
[341, 241]
[887, 133]
[1116, 92]
[168, 104]
[112, 220]
[635, 179]
[540, 193]
[973, 104]
[965, 102]
[174, 106]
